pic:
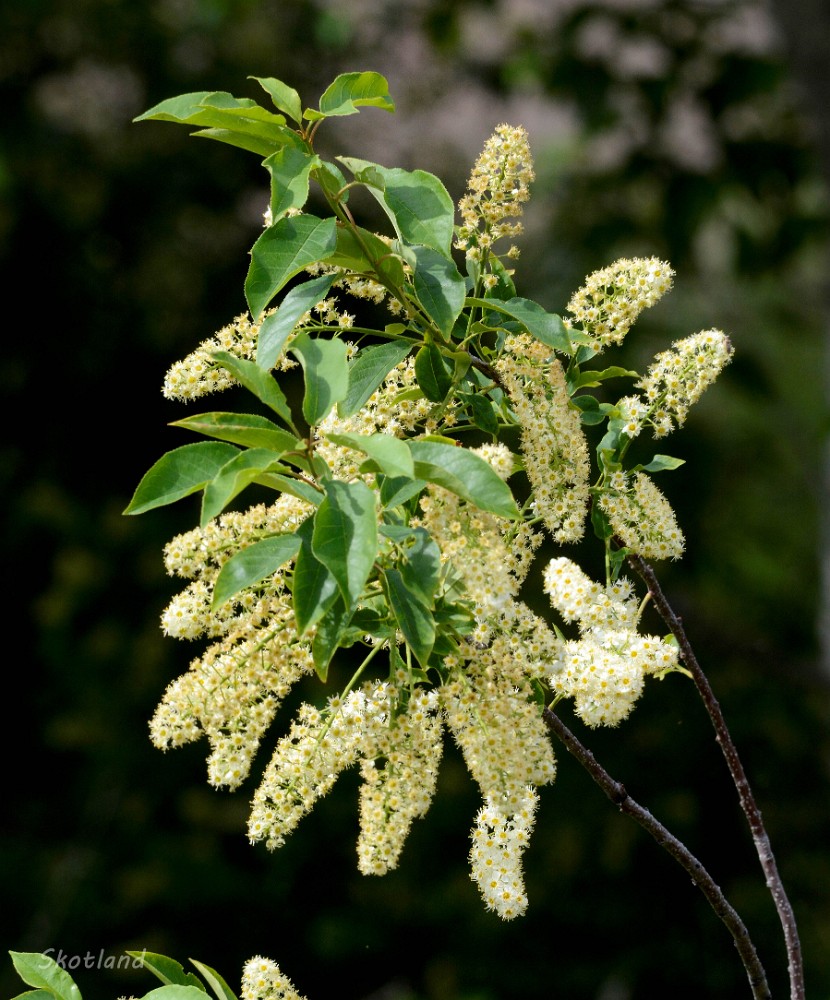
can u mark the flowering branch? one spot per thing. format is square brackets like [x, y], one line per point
[747, 799]
[699, 875]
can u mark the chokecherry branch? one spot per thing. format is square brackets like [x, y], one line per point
[747, 799]
[699, 875]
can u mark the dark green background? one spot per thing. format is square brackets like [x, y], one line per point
[658, 127]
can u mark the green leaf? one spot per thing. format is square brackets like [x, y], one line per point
[417, 203]
[234, 477]
[314, 587]
[439, 286]
[326, 371]
[262, 384]
[294, 487]
[251, 143]
[285, 98]
[590, 379]
[179, 473]
[253, 564]
[363, 252]
[467, 475]
[351, 91]
[600, 522]
[389, 454]
[590, 411]
[277, 327]
[215, 981]
[282, 251]
[168, 970]
[661, 463]
[39, 970]
[421, 570]
[367, 370]
[330, 630]
[247, 429]
[398, 489]
[544, 326]
[431, 372]
[414, 618]
[175, 992]
[289, 168]
[484, 416]
[221, 110]
[345, 535]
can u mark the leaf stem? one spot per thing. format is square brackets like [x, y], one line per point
[700, 876]
[745, 795]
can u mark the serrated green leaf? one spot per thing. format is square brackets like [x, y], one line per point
[414, 618]
[282, 251]
[397, 490]
[421, 569]
[363, 252]
[168, 970]
[220, 110]
[234, 477]
[464, 473]
[215, 981]
[345, 535]
[289, 168]
[34, 995]
[484, 416]
[389, 454]
[294, 487]
[277, 327]
[662, 463]
[326, 371]
[589, 379]
[416, 201]
[39, 970]
[263, 385]
[546, 327]
[179, 473]
[431, 372]
[242, 140]
[175, 992]
[600, 522]
[247, 429]
[350, 91]
[285, 98]
[252, 565]
[314, 588]
[332, 180]
[438, 284]
[330, 630]
[367, 370]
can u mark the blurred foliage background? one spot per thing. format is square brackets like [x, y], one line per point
[682, 129]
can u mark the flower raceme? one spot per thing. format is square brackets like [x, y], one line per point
[408, 489]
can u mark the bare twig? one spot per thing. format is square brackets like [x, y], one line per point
[699, 875]
[747, 799]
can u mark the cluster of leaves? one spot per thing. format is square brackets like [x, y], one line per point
[360, 569]
[50, 981]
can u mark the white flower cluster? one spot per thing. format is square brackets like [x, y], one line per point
[399, 779]
[678, 377]
[496, 191]
[232, 691]
[262, 980]
[603, 670]
[554, 448]
[499, 840]
[643, 519]
[611, 299]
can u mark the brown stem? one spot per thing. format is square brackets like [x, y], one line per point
[699, 875]
[747, 799]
